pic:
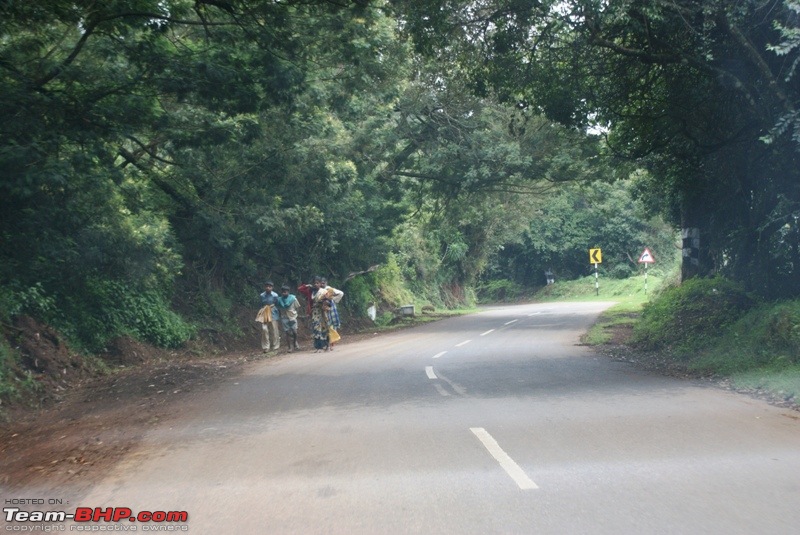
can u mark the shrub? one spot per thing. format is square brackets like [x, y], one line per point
[16, 300]
[8, 388]
[384, 319]
[621, 271]
[765, 342]
[783, 328]
[499, 290]
[110, 308]
[686, 316]
[391, 285]
[359, 295]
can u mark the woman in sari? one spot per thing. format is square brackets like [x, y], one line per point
[334, 323]
[324, 315]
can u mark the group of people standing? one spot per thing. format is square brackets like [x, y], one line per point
[321, 309]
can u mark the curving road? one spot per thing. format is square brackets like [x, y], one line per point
[496, 422]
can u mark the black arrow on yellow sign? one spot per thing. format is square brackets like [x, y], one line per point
[595, 256]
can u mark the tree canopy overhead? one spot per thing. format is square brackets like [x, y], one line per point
[182, 151]
[703, 93]
[209, 141]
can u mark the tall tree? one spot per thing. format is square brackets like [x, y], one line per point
[688, 88]
[562, 227]
[474, 168]
[129, 133]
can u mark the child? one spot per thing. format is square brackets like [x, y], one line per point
[288, 305]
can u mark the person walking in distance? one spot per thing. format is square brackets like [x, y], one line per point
[288, 305]
[328, 297]
[333, 296]
[307, 291]
[268, 317]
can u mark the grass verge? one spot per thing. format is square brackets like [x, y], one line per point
[614, 325]
[706, 328]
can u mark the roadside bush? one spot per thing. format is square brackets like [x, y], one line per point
[621, 271]
[688, 316]
[16, 300]
[384, 319]
[109, 309]
[384, 287]
[764, 344]
[498, 290]
[8, 387]
[783, 329]
[15, 381]
[391, 285]
[359, 295]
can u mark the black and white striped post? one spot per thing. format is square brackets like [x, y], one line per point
[646, 258]
[596, 257]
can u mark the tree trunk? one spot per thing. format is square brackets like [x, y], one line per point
[696, 260]
[690, 263]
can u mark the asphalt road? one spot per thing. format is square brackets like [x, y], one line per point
[496, 422]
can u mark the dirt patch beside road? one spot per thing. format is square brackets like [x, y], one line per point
[78, 420]
[86, 422]
[97, 422]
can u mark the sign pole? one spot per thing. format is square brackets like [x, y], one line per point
[595, 257]
[646, 258]
[596, 282]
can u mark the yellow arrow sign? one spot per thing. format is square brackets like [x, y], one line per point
[595, 256]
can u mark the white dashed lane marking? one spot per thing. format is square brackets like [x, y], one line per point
[506, 462]
[441, 389]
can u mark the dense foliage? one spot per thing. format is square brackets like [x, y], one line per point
[150, 146]
[682, 316]
[604, 216]
[161, 158]
[767, 338]
[703, 93]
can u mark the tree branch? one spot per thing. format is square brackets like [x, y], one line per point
[758, 61]
[92, 26]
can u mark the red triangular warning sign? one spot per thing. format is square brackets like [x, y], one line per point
[647, 257]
